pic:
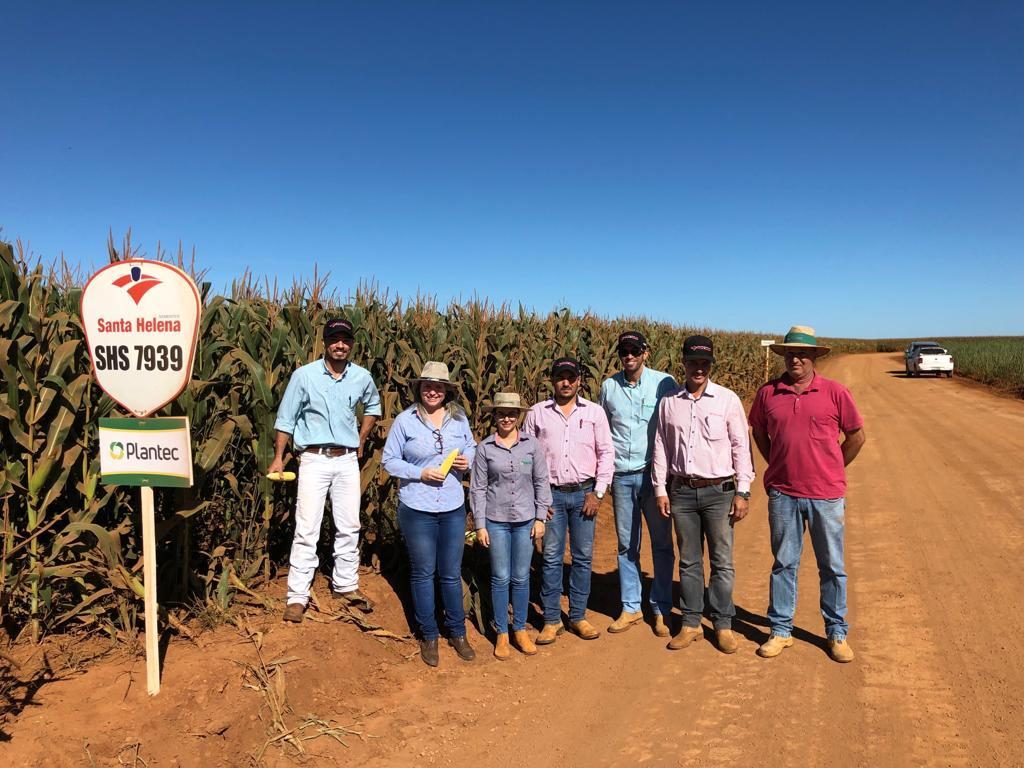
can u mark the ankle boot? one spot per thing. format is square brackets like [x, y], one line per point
[523, 642]
[501, 648]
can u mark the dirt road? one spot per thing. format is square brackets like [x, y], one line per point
[934, 546]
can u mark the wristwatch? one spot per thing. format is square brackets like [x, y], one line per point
[600, 495]
[743, 495]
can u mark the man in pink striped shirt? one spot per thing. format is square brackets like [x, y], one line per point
[701, 471]
[577, 443]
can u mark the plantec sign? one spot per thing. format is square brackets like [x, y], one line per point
[141, 321]
[155, 452]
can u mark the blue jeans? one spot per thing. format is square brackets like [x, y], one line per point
[788, 516]
[511, 552]
[435, 541]
[568, 518]
[633, 497]
[702, 514]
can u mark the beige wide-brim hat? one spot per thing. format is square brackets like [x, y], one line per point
[436, 372]
[506, 401]
[800, 337]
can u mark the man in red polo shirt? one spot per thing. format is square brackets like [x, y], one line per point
[796, 421]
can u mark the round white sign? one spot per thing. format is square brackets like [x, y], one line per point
[141, 321]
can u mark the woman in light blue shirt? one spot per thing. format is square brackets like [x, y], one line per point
[432, 504]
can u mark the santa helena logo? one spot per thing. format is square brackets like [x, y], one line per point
[117, 450]
[137, 284]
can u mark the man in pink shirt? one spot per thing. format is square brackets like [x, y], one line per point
[796, 421]
[701, 472]
[577, 442]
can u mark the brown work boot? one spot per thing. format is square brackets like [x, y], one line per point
[726, 641]
[523, 642]
[293, 612]
[428, 652]
[686, 636]
[774, 646]
[550, 633]
[584, 630]
[462, 647]
[502, 651]
[661, 626]
[625, 621]
[355, 599]
[840, 650]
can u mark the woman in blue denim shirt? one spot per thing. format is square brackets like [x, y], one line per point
[432, 504]
[511, 495]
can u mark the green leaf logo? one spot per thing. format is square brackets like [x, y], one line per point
[117, 450]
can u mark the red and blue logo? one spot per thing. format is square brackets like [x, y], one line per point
[137, 284]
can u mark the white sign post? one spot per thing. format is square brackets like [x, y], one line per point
[141, 322]
[767, 343]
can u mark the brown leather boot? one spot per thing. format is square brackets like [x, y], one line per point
[686, 636]
[726, 640]
[462, 647]
[626, 620]
[502, 651]
[523, 642]
[550, 633]
[584, 630]
[661, 626]
[293, 612]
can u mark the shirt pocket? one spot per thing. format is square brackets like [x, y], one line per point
[824, 429]
[714, 427]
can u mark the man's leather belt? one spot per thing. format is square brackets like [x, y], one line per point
[329, 450]
[586, 485]
[696, 482]
[629, 472]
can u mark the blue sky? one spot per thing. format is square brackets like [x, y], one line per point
[855, 167]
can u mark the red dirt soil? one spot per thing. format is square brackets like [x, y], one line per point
[934, 543]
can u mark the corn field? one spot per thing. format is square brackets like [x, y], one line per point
[71, 547]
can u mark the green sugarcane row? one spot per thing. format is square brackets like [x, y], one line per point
[71, 547]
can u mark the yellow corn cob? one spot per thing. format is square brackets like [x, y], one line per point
[280, 476]
[448, 461]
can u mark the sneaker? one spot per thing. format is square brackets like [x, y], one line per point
[355, 599]
[584, 630]
[550, 633]
[462, 647]
[661, 626]
[840, 650]
[726, 641]
[625, 621]
[428, 652]
[774, 646]
[687, 636]
[293, 612]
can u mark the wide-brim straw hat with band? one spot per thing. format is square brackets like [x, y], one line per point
[800, 337]
[509, 401]
[436, 372]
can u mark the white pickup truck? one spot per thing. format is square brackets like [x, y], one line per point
[933, 359]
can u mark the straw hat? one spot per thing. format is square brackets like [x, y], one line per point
[800, 337]
[436, 372]
[508, 401]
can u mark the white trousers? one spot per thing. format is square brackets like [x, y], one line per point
[318, 476]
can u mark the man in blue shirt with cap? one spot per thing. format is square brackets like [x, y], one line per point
[318, 413]
[630, 398]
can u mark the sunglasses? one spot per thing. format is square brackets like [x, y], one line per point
[505, 415]
[438, 440]
[630, 352]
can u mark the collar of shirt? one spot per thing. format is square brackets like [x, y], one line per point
[581, 402]
[493, 440]
[329, 372]
[782, 384]
[711, 390]
[621, 376]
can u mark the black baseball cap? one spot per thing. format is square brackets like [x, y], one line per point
[634, 338]
[698, 348]
[338, 327]
[567, 365]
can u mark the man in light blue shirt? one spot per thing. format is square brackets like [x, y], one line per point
[318, 414]
[630, 398]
